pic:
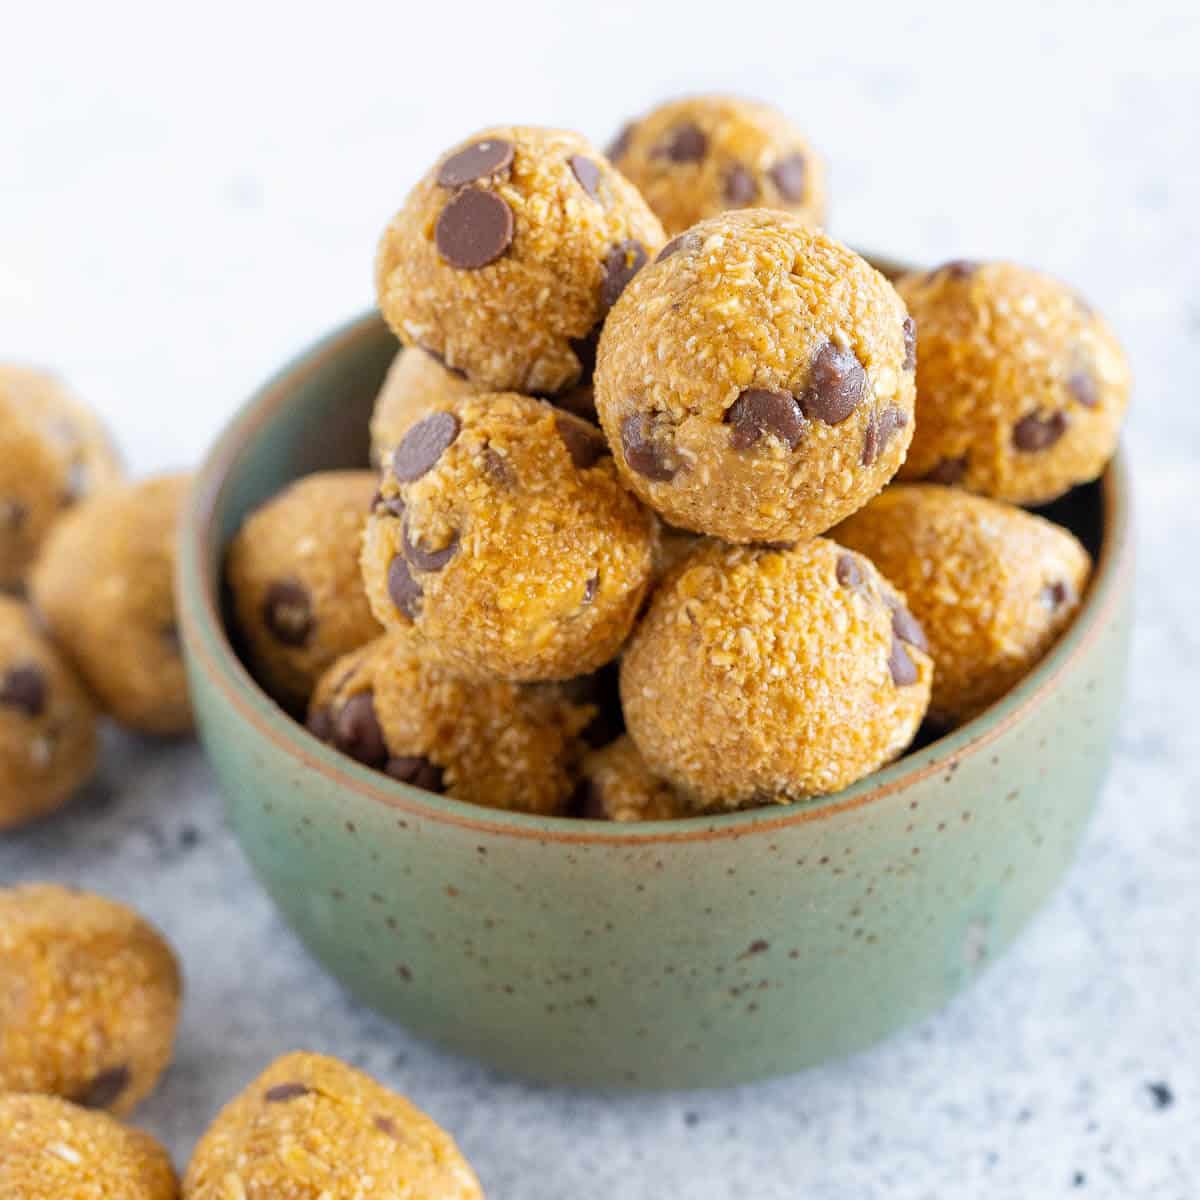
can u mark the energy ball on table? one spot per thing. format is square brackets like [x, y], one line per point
[47, 722]
[53, 1150]
[297, 590]
[104, 585]
[501, 745]
[90, 998]
[503, 535]
[53, 453]
[1021, 386]
[506, 257]
[695, 157]
[756, 382]
[312, 1128]
[991, 585]
[762, 676]
[618, 786]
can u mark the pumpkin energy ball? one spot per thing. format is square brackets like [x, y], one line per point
[506, 257]
[312, 1128]
[503, 745]
[503, 535]
[47, 722]
[618, 786]
[1021, 386]
[756, 382]
[991, 585]
[695, 157]
[90, 998]
[763, 676]
[104, 585]
[416, 385]
[297, 590]
[53, 1150]
[53, 453]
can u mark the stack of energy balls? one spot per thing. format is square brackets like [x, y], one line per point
[634, 550]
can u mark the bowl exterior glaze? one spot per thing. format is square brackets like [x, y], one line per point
[688, 954]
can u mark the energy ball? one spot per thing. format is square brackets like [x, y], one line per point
[1021, 386]
[312, 1128]
[991, 585]
[53, 1150]
[416, 385]
[756, 382]
[53, 453]
[764, 676]
[47, 722]
[501, 745]
[297, 590]
[503, 535]
[506, 257]
[618, 786]
[90, 998]
[104, 585]
[695, 157]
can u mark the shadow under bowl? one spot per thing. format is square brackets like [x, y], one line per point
[662, 955]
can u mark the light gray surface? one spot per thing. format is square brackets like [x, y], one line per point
[183, 214]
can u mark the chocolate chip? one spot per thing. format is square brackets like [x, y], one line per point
[285, 1091]
[906, 627]
[423, 445]
[320, 724]
[387, 506]
[105, 1089]
[789, 176]
[588, 174]
[496, 467]
[404, 590]
[837, 384]
[474, 229]
[287, 612]
[1081, 383]
[591, 588]
[356, 731]
[476, 161]
[619, 144]
[909, 329]
[584, 444]
[958, 268]
[741, 188]
[757, 411]
[685, 241]
[1055, 595]
[642, 453]
[416, 770]
[686, 143]
[849, 573]
[1034, 433]
[949, 471]
[622, 263]
[13, 514]
[880, 428]
[901, 665]
[428, 560]
[387, 1126]
[24, 688]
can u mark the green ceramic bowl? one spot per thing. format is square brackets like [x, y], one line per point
[682, 954]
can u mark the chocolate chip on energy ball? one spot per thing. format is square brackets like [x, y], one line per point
[585, 445]
[287, 612]
[591, 588]
[949, 471]
[320, 724]
[24, 688]
[390, 506]
[474, 229]
[643, 453]
[416, 770]
[757, 411]
[686, 143]
[880, 428]
[685, 241]
[906, 627]
[619, 144]
[477, 161]
[404, 590]
[789, 176]
[909, 330]
[105, 1088]
[356, 731]
[427, 560]
[282, 1092]
[849, 573]
[1034, 433]
[1055, 595]
[837, 384]
[958, 268]
[900, 664]
[621, 264]
[588, 174]
[1081, 383]
[741, 188]
[423, 445]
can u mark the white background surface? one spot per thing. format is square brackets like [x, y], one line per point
[187, 195]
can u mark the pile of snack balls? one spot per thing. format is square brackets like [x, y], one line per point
[632, 551]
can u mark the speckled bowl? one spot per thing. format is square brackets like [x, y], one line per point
[683, 954]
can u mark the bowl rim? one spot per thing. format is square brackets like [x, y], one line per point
[210, 650]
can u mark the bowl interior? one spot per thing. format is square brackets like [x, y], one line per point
[314, 415]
